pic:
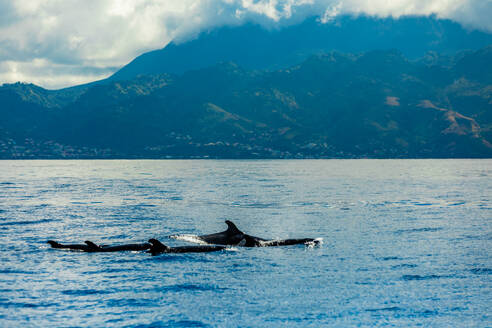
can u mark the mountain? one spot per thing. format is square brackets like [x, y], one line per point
[255, 47]
[376, 104]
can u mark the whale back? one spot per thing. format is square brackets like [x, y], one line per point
[157, 247]
[80, 247]
[231, 236]
[54, 244]
[91, 247]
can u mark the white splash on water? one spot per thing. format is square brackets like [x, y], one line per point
[190, 238]
[317, 242]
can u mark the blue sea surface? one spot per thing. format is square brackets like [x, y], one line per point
[407, 243]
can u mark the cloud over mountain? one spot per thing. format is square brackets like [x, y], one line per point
[58, 43]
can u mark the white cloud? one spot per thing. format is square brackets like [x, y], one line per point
[59, 43]
[46, 73]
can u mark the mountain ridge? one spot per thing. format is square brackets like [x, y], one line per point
[253, 47]
[377, 104]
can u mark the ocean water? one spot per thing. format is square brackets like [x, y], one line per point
[407, 243]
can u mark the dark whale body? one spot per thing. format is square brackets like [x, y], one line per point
[89, 246]
[159, 248]
[78, 247]
[117, 248]
[234, 236]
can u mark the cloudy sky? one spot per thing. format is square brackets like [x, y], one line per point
[59, 43]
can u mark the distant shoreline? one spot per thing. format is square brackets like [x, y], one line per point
[236, 158]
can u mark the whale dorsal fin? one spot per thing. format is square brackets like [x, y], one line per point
[156, 244]
[54, 244]
[91, 245]
[232, 229]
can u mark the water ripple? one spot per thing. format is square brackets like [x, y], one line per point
[420, 277]
[426, 229]
[407, 243]
[14, 223]
[481, 271]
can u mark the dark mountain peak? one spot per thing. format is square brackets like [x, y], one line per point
[254, 47]
[25, 89]
[21, 85]
[31, 93]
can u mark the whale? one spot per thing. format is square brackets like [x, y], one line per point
[154, 247]
[235, 237]
[231, 236]
[117, 248]
[91, 247]
[158, 248]
[78, 247]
